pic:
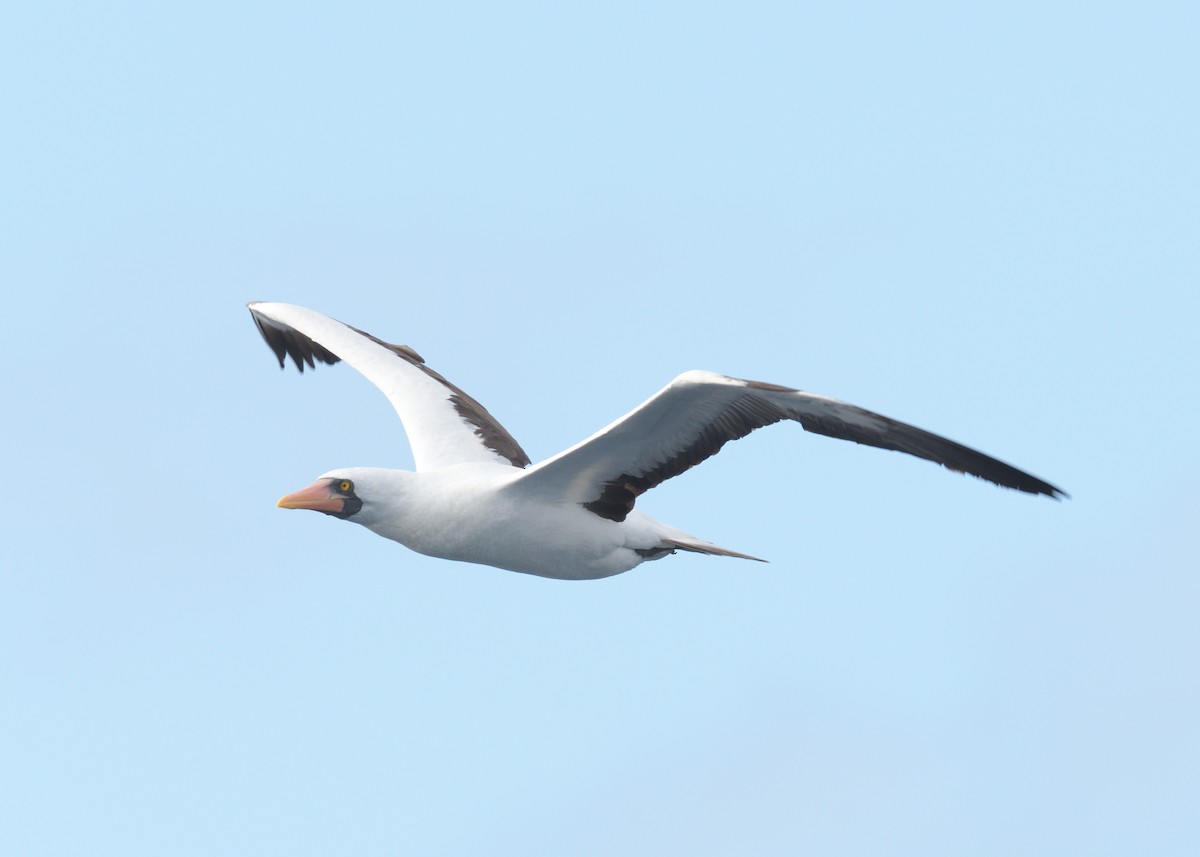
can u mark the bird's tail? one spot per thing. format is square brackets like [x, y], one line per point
[695, 545]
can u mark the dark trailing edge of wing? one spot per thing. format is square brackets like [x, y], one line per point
[286, 341]
[742, 416]
[749, 412]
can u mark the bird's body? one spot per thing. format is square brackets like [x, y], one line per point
[475, 498]
[472, 513]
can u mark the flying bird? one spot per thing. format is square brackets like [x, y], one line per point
[475, 496]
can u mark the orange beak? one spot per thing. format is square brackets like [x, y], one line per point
[319, 497]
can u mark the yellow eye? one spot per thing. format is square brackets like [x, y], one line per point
[345, 485]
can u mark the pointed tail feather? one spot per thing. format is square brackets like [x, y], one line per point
[697, 546]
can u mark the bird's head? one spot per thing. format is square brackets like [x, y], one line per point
[381, 499]
[335, 493]
[364, 495]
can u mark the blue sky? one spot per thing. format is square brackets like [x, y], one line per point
[978, 218]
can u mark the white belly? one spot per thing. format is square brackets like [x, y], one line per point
[460, 517]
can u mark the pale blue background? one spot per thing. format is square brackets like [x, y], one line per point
[980, 218]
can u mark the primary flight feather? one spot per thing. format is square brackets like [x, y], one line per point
[474, 496]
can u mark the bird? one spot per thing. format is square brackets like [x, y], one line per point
[475, 496]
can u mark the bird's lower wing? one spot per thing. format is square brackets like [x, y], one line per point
[699, 412]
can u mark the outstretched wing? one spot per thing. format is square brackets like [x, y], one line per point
[445, 426]
[699, 412]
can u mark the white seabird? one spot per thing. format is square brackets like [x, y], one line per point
[475, 497]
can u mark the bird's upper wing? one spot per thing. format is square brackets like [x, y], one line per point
[699, 412]
[445, 426]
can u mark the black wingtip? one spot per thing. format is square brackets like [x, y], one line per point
[285, 341]
[1038, 486]
[274, 342]
[1018, 480]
